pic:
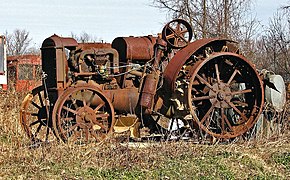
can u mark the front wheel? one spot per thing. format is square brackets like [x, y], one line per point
[83, 114]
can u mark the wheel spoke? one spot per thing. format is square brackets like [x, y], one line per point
[225, 104]
[83, 97]
[202, 98]
[176, 41]
[28, 113]
[100, 124]
[79, 124]
[223, 120]
[47, 133]
[183, 39]
[33, 123]
[228, 123]
[232, 76]
[35, 105]
[37, 130]
[34, 116]
[184, 31]
[206, 116]
[195, 83]
[176, 34]
[172, 30]
[40, 98]
[240, 103]
[170, 36]
[237, 110]
[74, 103]
[217, 73]
[204, 81]
[99, 106]
[67, 119]
[102, 115]
[70, 110]
[241, 92]
[178, 27]
[91, 98]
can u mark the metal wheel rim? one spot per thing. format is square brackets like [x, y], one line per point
[79, 125]
[229, 129]
[34, 113]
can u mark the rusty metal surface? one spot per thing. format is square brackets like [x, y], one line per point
[110, 53]
[34, 117]
[123, 100]
[76, 118]
[54, 63]
[224, 101]
[204, 85]
[149, 90]
[59, 42]
[151, 79]
[179, 59]
[177, 33]
[24, 71]
[24, 59]
[134, 48]
[101, 45]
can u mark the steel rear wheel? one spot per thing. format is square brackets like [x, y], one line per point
[225, 95]
[34, 116]
[83, 115]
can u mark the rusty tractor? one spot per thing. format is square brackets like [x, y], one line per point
[163, 84]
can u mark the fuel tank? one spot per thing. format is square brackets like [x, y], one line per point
[135, 48]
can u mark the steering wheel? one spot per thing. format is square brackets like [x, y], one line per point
[177, 33]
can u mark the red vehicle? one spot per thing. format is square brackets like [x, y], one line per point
[3, 66]
[24, 72]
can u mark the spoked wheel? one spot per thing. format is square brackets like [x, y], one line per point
[34, 116]
[225, 95]
[82, 115]
[177, 33]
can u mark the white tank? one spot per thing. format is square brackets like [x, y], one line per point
[277, 99]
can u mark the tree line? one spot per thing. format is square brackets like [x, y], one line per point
[267, 46]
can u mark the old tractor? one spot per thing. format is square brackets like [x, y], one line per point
[163, 84]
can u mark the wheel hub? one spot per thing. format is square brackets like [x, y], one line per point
[85, 117]
[222, 94]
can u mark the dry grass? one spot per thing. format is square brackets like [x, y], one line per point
[269, 159]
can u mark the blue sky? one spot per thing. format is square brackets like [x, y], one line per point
[104, 19]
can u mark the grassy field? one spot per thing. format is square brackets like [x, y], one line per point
[266, 159]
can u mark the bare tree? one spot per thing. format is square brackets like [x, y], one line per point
[277, 44]
[213, 18]
[18, 42]
[286, 7]
[84, 37]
